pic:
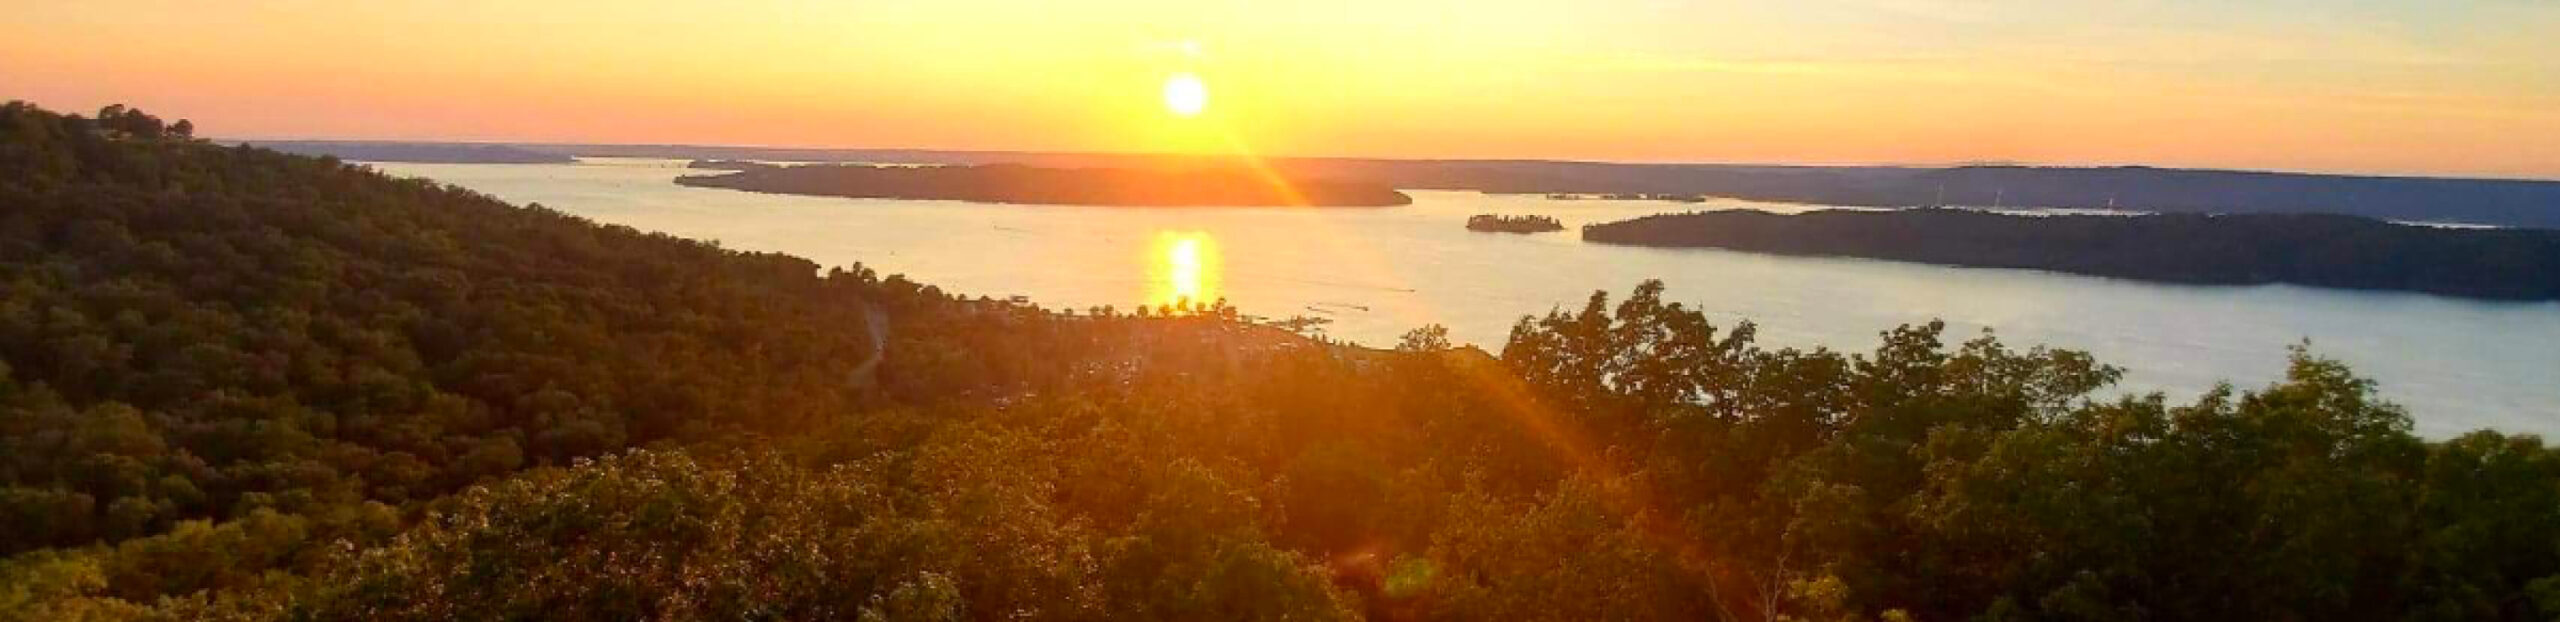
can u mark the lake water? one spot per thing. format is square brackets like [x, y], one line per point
[2457, 364]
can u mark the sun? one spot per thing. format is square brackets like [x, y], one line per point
[1185, 95]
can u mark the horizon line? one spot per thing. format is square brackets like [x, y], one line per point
[1520, 160]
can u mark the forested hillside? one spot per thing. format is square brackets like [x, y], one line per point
[193, 331]
[247, 385]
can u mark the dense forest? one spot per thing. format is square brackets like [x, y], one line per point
[248, 385]
[1222, 186]
[441, 153]
[2237, 249]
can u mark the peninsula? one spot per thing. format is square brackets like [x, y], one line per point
[729, 165]
[2232, 249]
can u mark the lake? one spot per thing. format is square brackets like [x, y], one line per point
[2458, 365]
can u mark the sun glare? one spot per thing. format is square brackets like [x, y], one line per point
[1185, 95]
[1183, 267]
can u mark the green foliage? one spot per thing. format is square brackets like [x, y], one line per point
[59, 585]
[665, 536]
[194, 331]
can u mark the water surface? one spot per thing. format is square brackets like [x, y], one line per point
[2457, 364]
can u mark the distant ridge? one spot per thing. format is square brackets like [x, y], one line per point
[433, 153]
[2497, 202]
[1015, 183]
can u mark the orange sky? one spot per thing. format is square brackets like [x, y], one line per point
[2450, 87]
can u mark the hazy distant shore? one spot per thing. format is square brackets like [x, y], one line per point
[427, 153]
[1006, 183]
[2481, 201]
[2315, 250]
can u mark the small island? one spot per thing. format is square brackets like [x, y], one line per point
[1014, 183]
[1492, 223]
[1627, 196]
[2319, 250]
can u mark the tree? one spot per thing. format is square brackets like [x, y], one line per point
[1429, 338]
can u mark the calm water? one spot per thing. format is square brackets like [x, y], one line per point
[2458, 365]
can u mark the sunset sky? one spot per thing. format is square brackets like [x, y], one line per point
[2469, 87]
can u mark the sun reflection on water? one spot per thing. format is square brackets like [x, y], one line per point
[1183, 266]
